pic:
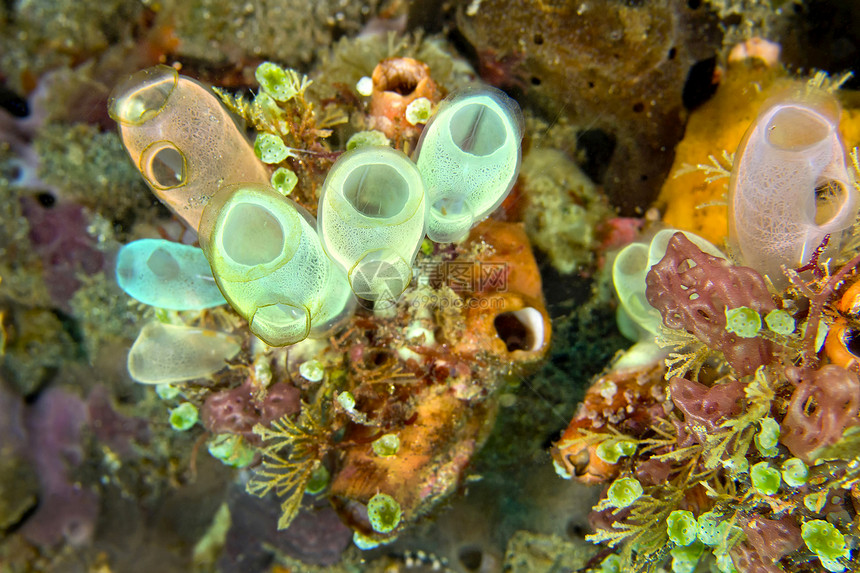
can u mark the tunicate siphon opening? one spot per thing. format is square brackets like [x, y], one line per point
[452, 217]
[142, 95]
[520, 329]
[830, 196]
[163, 265]
[795, 129]
[163, 165]
[252, 235]
[376, 190]
[281, 324]
[477, 129]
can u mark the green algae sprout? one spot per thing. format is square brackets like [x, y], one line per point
[686, 557]
[780, 322]
[765, 479]
[767, 438]
[611, 451]
[384, 513]
[167, 391]
[624, 491]
[183, 417]
[270, 148]
[419, 110]
[823, 539]
[284, 181]
[386, 445]
[743, 321]
[318, 481]
[312, 370]
[346, 401]
[711, 529]
[231, 450]
[794, 472]
[681, 526]
[279, 83]
[367, 138]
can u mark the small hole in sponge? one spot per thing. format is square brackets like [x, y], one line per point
[471, 557]
[520, 330]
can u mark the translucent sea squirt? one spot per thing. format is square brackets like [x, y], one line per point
[790, 185]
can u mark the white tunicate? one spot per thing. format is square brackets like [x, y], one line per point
[168, 353]
[790, 185]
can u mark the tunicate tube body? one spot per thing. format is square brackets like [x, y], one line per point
[270, 266]
[469, 157]
[371, 219]
[167, 275]
[790, 185]
[184, 142]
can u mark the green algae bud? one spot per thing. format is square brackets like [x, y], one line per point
[270, 148]
[767, 438]
[419, 110]
[284, 181]
[312, 370]
[827, 542]
[183, 417]
[318, 481]
[384, 513]
[610, 452]
[681, 527]
[371, 138]
[815, 502]
[612, 564]
[275, 81]
[231, 450]
[765, 479]
[686, 557]
[167, 391]
[710, 529]
[624, 491]
[386, 445]
[780, 322]
[427, 247]
[346, 401]
[795, 472]
[743, 321]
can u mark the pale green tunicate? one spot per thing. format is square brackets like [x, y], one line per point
[167, 275]
[468, 156]
[371, 219]
[270, 266]
[167, 353]
[632, 265]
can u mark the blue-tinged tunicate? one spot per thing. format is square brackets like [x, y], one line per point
[167, 353]
[270, 266]
[371, 219]
[183, 141]
[167, 275]
[468, 156]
